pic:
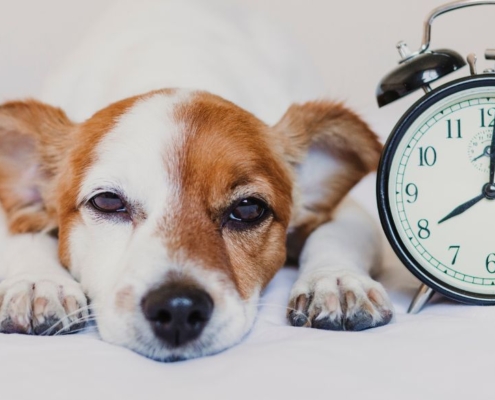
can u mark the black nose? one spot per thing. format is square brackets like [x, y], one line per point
[177, 314]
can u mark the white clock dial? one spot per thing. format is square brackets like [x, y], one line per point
[441, 162]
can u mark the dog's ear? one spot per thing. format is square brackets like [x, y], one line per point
[346, 149]
[332, 128]
[33, 139]
[335, 132]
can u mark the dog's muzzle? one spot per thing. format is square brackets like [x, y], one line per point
[177, 314]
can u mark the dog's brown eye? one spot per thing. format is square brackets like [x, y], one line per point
[108, 202]
[248, 210]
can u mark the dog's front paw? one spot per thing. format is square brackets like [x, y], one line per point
[339, 300]
[41, 306]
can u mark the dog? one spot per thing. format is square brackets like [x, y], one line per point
[172, 210]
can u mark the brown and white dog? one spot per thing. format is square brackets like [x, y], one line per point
[171, 211]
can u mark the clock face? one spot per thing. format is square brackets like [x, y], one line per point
[438, 160]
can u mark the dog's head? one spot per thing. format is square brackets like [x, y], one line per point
[172, 208]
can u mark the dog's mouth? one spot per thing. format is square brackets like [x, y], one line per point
[209, 343]
[178, 322]
[157, 351]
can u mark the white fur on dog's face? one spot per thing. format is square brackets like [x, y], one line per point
[179, 159]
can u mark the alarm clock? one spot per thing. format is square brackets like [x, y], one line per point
[436, 177]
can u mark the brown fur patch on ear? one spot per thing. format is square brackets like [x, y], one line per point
[331, 130]
[33, 137]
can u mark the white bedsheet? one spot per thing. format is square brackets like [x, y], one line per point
[444, 352]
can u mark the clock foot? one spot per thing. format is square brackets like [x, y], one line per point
[422, 297]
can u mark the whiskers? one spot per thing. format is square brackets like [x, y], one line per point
[287, 311]
[84, 320]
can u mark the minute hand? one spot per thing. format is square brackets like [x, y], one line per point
[492, 159]
[463, 207]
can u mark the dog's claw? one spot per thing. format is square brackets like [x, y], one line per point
[328, 324]
[41, 307]
[339, 301]
[48, 325]
[298, 315]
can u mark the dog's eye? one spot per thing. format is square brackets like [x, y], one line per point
[108, 202]
[248, 210]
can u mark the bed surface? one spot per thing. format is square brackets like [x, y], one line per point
[443, 352]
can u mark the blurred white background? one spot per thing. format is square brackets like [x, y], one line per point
[352, 43]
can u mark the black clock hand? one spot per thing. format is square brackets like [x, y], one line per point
[463, 207]
[488, 190]
[486, 152]
[492, 158]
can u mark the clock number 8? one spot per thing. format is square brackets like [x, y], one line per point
[490, 263]
[424, 232]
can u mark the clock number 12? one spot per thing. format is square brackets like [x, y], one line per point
[490, 113]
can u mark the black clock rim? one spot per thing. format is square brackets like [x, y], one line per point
[384, 210]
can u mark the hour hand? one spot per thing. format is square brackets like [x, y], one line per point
[463, 207]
